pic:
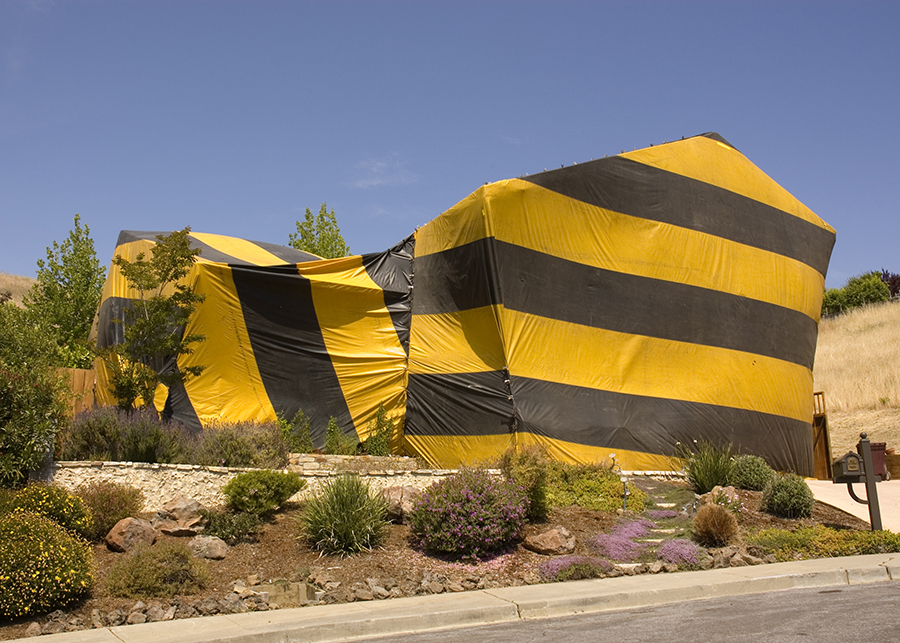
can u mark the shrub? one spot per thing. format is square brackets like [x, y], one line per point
[566, 568]
[750, 472]
[706, 465]
[380, 433]
[344, 517]
[336, 443]
[261, 492]
[788, 496]
[242, 444]
[112, 435]
[620, 543]
[819, 541]
[161, 571]
[592, 486]
[42, 566]
[469, 514]
[59, 505]
[714, 526]
[233, 528]
[109, 502]
[680, 552]
[296, 432]
[529, 468]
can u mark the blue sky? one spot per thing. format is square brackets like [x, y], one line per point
[234, 117]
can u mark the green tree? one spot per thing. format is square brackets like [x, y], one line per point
[33, 394]
[67, 293]
[867, 288]
[320, 235]
[155, 322]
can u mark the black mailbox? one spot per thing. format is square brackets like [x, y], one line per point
[848, 469]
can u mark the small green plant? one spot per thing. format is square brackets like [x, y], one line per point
[529, 467]
[233, 528]
[381, 431]
[42, 566]
[750, 472]
[470, 514]
[819, 541]
[714, 526]
[706, 464]
[59, 505]
[161, 571]
[296, 432]
[336, 443]
[592, 486]
[242, 444]
[109, 502]
[788, 496]
[261, 492]
[344, 517]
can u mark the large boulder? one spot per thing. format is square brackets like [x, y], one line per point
[180, 517]
[208, 547]
[129, 533]
[399, 501]
[553, 542]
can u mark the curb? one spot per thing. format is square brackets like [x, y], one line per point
[348, 621]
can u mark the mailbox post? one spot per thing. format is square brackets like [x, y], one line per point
[855, 467]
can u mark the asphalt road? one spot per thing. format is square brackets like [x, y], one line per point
[861, 613]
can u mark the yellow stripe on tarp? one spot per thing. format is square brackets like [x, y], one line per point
[463, 223]
[237, 248]
[574, 453]
[359, 334]
[230, 388]
[545, 349]
[713, 162]
[467, 341]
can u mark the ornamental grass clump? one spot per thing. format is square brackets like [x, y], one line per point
[470, 514]
[621, 544]
[529, 467]
[261, 492]
[714, 526]
[109, 502]
[750, 472]
[680, 551]
[788, 496]
[565, 568]
[59, 505]
[345, 517]
[163, 570]
[43, 567]
[706, 464]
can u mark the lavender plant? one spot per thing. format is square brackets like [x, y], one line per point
[620, 544]
[566, 568]
[680, 552]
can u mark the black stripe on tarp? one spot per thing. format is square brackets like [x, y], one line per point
[546, 286]
[653, 425]
[209, 253]
[458, 404]
[635, 189]
[392, 270]
[287, 343]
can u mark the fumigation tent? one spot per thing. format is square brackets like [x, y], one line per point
[623, 305]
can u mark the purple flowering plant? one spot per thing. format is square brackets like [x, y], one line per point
[470, 514]
[566, 568]
[680, 552]
[620, 544]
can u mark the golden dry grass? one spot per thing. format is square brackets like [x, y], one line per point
[858, 368]
[16, 284]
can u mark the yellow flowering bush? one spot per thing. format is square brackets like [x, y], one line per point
[42, 566]
[57, 504]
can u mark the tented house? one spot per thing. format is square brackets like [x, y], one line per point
[623, 305]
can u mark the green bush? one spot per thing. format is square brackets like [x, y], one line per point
[161, 571]
[111, 435]
[788, 496]
[819, 541]
[592, 486]
[529, 467]
[6, 500]
[242, 444]
[380, 433]
[344, 517]
[706, 464]
[261, 492]
[233, 528]
[750, 472]
[42, 566]
[109, 502]
[59, 505]
[714, 526]
[336, 443]
[867, 288]
[296, 433]
[469, 514]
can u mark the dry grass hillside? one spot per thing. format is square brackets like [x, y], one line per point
[15, 284]
[858, 368]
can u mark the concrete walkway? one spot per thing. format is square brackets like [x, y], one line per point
[836, 495]
[321, 624]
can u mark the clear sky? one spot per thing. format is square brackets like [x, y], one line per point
[233, 117]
